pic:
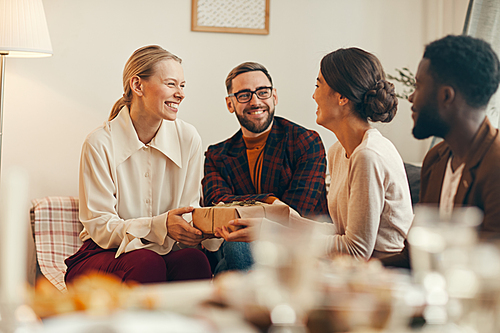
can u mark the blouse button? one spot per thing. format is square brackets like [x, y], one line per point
[148, 201]
[146, 174]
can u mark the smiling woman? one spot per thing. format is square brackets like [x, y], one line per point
[158, 97]
[369, 198]
[135, 173]
[140, 65]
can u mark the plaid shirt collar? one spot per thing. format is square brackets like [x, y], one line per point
[126, 141]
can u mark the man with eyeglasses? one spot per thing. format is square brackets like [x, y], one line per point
[269, 158]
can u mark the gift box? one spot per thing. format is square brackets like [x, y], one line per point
[208, 218]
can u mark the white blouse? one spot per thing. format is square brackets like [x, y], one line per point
[127, 187]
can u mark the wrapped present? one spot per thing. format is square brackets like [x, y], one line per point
[208, 218]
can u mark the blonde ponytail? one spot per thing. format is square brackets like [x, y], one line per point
[119, 104]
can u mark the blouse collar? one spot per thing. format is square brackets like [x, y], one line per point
[126, 141]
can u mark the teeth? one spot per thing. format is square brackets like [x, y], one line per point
[173, 105]
[257, 112]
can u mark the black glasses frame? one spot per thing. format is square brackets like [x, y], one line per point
[237, 94]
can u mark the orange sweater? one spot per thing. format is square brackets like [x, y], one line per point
[255, 154]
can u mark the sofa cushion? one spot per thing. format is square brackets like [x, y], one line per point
[413, 175]
[56, 227]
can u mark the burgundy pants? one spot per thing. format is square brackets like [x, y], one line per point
[143, 266]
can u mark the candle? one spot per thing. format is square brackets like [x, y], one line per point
[14, 221]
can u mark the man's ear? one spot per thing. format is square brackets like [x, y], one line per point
[275, 96]
[230, 105]
[136, 85]
[446, 95]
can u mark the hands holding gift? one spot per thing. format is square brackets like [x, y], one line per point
[180, 230]
[250, 228]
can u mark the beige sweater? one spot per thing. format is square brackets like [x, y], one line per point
[369, 198]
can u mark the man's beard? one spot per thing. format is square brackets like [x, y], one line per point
[429, 123]
[256, 127]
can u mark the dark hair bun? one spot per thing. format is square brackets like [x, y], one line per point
[381, 103]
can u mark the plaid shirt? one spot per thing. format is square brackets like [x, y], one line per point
[293, 170]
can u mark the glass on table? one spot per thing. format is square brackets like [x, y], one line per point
[459, 272]
[287, 257]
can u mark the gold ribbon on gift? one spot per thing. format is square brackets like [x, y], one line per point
[240, 203]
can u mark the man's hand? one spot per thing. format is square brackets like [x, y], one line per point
[180, 230]
[249, 232]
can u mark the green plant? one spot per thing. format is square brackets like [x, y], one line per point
[407, 79]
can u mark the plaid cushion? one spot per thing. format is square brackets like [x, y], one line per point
[56, 227]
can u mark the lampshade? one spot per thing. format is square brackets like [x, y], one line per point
[23, 29]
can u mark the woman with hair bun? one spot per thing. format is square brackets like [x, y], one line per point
[139, 174]
[369, 198]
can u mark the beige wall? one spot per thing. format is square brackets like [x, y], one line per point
[51, 104]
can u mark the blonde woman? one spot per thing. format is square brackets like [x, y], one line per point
[139, 173]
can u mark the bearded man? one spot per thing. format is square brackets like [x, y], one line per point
[454, 83]
[269, 158]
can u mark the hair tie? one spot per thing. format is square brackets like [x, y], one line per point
[125, 98]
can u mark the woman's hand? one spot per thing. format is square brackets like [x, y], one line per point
[249, 232]
[180, 230]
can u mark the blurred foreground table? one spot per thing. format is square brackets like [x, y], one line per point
[174, 307]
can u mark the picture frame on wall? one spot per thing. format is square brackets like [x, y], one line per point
[231, 16]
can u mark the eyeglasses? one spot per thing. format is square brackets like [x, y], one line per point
[246, 95]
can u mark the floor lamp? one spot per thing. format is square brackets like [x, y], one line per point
[23, 34]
